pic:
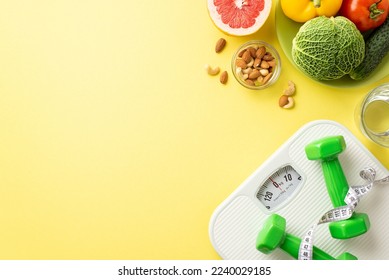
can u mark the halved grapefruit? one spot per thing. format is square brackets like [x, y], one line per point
[239, 17]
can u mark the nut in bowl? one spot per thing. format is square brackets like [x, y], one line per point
[256, 65]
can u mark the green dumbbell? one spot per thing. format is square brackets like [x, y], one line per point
[273, 235]
[327, 150]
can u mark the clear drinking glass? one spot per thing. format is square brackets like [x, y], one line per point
[372, 115]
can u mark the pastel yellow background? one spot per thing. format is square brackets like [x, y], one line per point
[115, 143]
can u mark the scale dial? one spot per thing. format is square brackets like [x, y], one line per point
[278, 187]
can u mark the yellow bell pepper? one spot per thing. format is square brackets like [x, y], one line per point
[304, 10]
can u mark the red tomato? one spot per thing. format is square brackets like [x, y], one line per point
[366, 14]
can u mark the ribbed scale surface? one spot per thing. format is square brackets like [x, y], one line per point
[237, 222]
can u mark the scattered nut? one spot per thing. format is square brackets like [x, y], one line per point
[224, 77]
[291, 89]
[283, 100]
[212, 71]
[286, 102]
[290, 104]
[220, 44]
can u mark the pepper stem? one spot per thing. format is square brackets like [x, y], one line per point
[374, 11]
[317, 3]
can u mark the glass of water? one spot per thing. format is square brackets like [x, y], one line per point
[372, 115]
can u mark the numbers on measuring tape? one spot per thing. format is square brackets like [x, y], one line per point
[278, 187]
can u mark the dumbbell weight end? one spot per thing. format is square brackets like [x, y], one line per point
[273, 235]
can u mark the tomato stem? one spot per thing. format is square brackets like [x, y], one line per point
[374, 11]
[316, 3]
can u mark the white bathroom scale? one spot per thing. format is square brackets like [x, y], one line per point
[292, 186]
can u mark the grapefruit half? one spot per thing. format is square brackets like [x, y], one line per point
[239, 17]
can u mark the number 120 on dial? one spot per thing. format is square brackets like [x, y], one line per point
[278, 187]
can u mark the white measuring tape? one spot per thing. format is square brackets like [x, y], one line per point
[341, 213]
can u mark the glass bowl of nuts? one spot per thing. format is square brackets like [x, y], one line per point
[256, 65]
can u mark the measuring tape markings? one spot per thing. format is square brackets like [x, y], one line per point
[341, 213]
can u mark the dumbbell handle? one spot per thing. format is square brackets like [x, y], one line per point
[291, 246]
[336, 181]
[327, 150]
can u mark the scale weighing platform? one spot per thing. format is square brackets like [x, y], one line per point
[292, 186]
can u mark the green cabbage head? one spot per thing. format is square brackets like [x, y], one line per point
[328, 48]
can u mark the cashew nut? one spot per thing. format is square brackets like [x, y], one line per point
[290, 103]
[291, 89]
[286, 102]
[212, 71]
